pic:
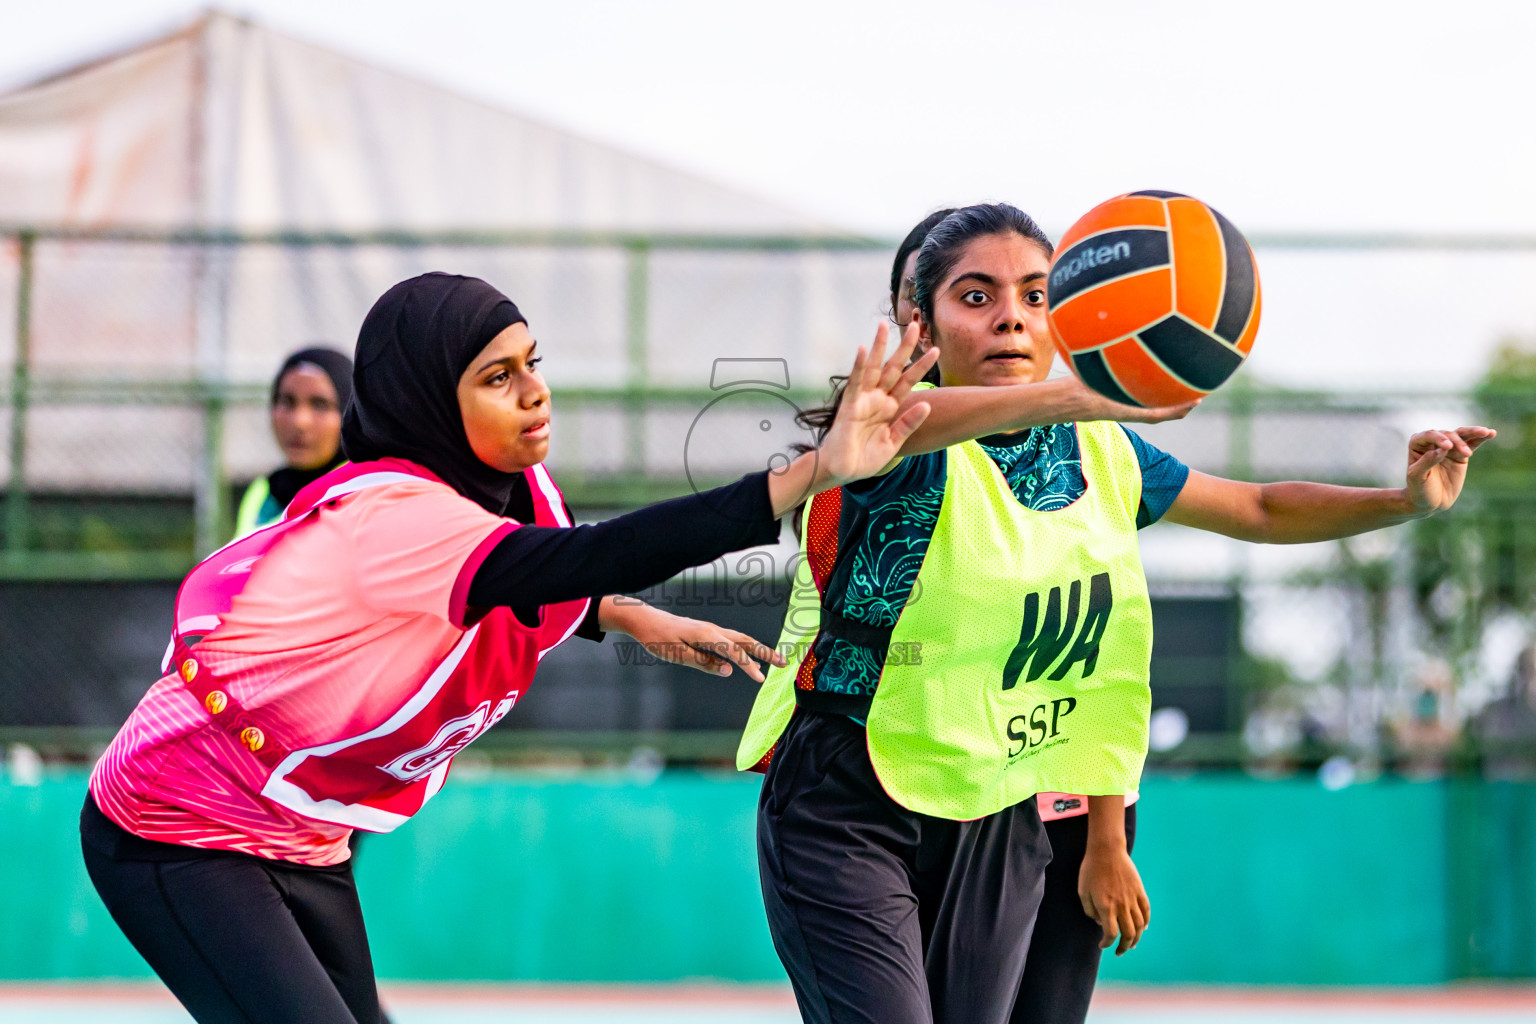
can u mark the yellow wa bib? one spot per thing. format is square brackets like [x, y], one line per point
[1020, 663]
[776, 697]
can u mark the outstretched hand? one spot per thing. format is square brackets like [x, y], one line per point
[683, 641]
[870, 427]
[1437, 465]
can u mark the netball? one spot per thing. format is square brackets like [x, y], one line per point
[1154, 298]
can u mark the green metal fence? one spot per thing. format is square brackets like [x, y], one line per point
[204, 386]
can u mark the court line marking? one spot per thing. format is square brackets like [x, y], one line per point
[1113, 997]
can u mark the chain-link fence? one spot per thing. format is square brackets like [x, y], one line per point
[136, 370]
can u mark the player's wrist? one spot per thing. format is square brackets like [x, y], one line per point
[822, 474]
[1080, 403]
[628, 615]
[1106, 843]
[803, 478]
[1405, 504]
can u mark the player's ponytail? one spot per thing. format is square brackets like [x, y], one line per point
[908, 246]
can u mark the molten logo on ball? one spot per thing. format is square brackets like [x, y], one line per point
[1088, 257]
[1153, 299]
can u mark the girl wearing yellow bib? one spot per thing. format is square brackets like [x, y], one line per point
[997, 649]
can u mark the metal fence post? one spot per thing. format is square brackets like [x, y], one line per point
[637, 350]
[210, 500]
[21, 386]
[211, 274]
[1239, 467]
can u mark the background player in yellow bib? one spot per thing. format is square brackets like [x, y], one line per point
[981, 631]
[309, 394]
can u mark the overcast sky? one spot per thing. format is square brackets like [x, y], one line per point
[1296, 115]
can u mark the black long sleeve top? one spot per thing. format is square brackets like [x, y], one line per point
[539, 565]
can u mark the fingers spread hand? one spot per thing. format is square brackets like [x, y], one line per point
[895, 365]
[916, 372]
[756, 648]
[876, 363]
[693, 653]
[907, 423]
[1143, 414]
[855, 383]
[730, 653]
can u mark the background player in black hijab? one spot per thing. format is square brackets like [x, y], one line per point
[309, 393]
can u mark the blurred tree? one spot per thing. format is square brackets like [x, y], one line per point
[1480, 560]
[1363, 573]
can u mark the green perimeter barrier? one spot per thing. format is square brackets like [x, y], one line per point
[613, 878]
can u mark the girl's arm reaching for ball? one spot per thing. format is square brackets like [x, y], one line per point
[870, 429]
[957, 414]
[1300, 513]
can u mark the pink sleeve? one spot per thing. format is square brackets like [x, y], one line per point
[414, 545]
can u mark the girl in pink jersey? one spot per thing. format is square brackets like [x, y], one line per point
[324, 670]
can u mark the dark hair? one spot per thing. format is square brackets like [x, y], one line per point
[939, 238]
[947, 240]
[908, 246]
[335, 365]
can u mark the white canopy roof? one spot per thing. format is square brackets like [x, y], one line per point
[227, 124]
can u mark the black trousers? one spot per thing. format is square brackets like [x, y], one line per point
[882, 915]
[238, 939]
[1063, 962]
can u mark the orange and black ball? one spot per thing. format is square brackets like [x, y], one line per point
[1153, 298]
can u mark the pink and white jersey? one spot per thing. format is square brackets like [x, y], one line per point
[325, 670]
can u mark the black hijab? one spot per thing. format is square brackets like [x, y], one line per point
[288, 481]
[415, 344]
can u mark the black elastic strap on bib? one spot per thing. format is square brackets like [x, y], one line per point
[876, 639]
[854, 705]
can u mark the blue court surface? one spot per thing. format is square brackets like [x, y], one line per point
[469, 1004]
